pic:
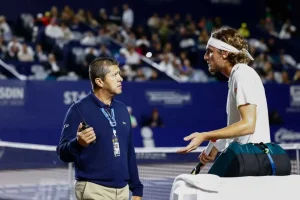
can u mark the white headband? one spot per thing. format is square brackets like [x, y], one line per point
[226, 47]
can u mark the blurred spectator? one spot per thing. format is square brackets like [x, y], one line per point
[203, 37]
[168, 50]
[140, 76]
[269, 77]
[154, 75]
[127, 17]
[287, 30]
[185, 70]
[285, 78]
[275, 118]
[89, 39]
[128, 73]
[132, 117]
[102, 17]
[5, 30]
[156, 52]
[143, 44]
[81, 16]
[202, 24]
[154, 120]
[43, 20]
[13, 48]
[104, 51]
[3, 48]
[91, 20]
[269, 26]
[166, 65]
[54, 12]
[2, 77]
[102, 37]
[132, 57]
[296, 78]
[26, 54]
[67, 34]
[130, 39]
[53, 30]
[115, 16]
[52, 67]
[90, 56]
[154, 22]
[66, 15]
[259, 45]
[121, 58]
[244, 31]
[39, 54]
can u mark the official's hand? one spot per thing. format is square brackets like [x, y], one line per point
[204, 158]
[136, 198]
[86, 136]
[196, 140]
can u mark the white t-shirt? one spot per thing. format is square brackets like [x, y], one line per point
[245, 87]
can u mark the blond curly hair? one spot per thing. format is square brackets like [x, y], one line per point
[235, 39]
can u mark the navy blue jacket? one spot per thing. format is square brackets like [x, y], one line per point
[96, 163]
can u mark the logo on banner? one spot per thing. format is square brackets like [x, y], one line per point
[70, 96]
[284, 135]
[169, 98]
[12, 96]
[294, 98]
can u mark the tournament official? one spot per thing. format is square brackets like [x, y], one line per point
[103, 153]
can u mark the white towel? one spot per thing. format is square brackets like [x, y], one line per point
[250, 187]
[212, 187]
[193, 187]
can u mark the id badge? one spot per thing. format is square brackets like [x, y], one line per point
[116, 146]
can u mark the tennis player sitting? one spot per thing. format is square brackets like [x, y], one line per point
[247, 111]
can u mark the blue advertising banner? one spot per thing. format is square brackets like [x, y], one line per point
[33, 111]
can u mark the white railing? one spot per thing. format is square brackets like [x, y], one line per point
[13, 71]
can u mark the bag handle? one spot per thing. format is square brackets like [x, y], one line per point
[265, 149]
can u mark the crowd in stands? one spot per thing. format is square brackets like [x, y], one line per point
[61, 44]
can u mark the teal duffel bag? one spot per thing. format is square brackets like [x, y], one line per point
[252, 159]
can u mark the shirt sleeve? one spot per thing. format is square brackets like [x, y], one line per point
[68, 148]
[220, 144]
[245, 89]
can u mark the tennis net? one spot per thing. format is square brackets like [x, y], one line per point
[34, 172]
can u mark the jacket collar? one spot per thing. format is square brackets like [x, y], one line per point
[98, 102]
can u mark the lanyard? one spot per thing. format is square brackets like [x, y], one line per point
[111, 118]
[112, 121]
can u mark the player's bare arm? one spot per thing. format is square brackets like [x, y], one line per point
[245, 126]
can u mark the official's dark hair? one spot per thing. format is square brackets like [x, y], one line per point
[234, 38]
[99, 68]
